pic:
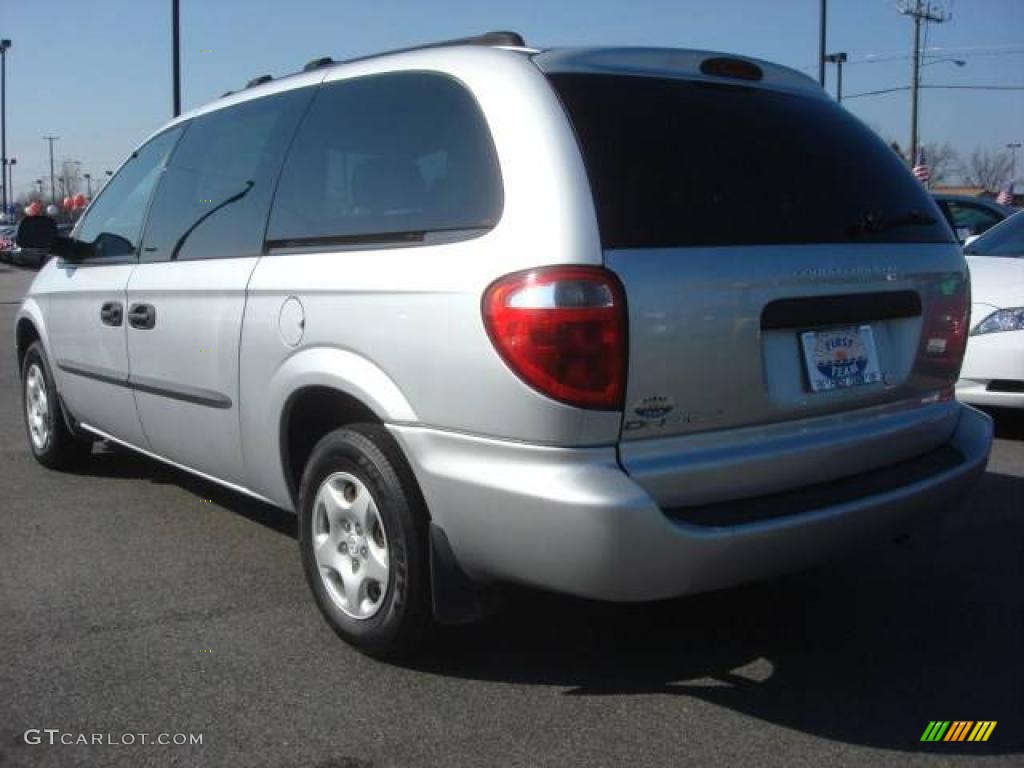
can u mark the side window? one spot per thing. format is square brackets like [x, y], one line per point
[974, 218]
[114, 222]
[387, 158]
[214, 197]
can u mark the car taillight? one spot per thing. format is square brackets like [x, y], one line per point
[562, 330]
[944, 335]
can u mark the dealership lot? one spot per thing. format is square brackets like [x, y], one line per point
[137, 599]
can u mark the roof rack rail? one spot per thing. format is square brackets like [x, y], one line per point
[226, 93]
[317, 63]
[496, 38]
[259, 81]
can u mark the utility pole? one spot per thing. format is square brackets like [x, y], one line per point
[921, 13]
[176, 54]
[53, 182]
[838, 59]
[822, 16]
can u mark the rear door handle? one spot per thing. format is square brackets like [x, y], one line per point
[112, 313]
[142, 316]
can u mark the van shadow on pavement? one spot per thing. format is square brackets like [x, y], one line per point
[866, 650]
[114, 462]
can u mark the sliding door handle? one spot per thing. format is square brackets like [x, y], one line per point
[112, 313]
[142, 316]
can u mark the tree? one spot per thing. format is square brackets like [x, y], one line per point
[943, 162]
[988, 169]
[69, 182]
[24, 198]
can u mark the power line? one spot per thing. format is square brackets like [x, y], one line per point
[961, 51]
[901, 88]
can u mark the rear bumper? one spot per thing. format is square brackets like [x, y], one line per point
[572, 521]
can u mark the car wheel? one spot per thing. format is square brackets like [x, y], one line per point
[51, 441]
[363, 540]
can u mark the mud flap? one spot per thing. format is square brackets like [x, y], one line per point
[456, 598]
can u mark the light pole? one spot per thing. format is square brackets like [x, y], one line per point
[822, 19]
[4, 45]
[176, 55]
[88, 183]
[53, 182]
[10, 177]
[838, 59]
[39, 188]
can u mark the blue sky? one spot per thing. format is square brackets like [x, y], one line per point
[97, 73]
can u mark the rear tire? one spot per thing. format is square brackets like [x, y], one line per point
[51, 442]
[363, 541]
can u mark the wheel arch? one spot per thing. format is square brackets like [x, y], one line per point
[334, 389]
[308, 414]
[316, 391]
[28, 327]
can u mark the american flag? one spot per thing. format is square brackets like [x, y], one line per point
[1005, 196]
[921, 169]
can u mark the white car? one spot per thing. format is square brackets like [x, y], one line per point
[993, 369]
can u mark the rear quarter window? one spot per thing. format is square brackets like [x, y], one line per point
[387, 158]
[676, 162]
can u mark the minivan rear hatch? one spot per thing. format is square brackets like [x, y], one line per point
[779, 260]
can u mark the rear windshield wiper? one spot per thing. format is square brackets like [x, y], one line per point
[181, 240]
[873, 222]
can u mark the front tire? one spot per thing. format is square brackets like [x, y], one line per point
[51, 441]
[363, 541]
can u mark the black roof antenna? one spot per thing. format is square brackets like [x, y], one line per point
[317, 63]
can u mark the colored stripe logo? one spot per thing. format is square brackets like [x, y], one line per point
[958, 730]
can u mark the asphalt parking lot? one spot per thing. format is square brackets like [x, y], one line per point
[137, 599]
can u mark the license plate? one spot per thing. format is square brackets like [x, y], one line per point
[840, 358]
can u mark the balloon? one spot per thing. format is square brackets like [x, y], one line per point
[80, 201]
[66, 202]
[34, 208]
[52, 210]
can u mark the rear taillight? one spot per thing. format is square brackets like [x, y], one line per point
[562, 330]
[946, 324]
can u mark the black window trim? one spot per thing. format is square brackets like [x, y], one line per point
[404, 239]
[393, 239]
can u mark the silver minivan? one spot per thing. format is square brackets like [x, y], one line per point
[620, 323]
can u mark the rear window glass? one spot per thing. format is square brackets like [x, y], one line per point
[686, 163]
